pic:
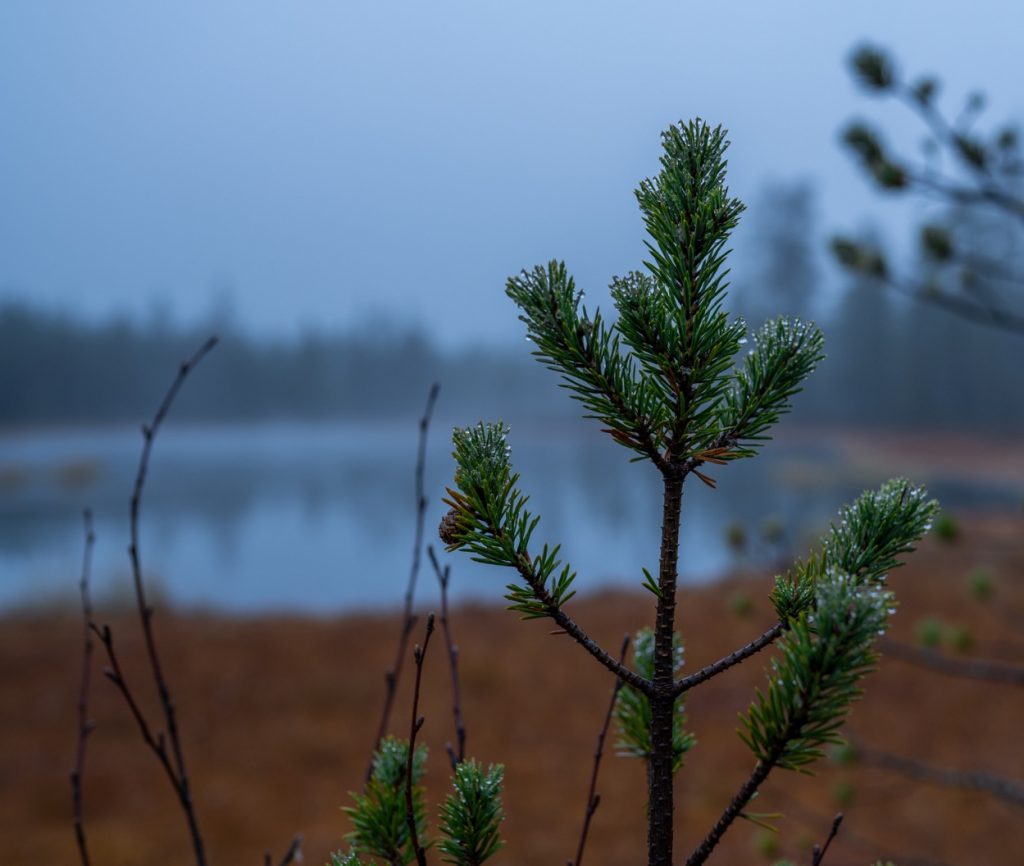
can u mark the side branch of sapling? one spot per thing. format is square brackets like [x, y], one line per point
[739, 801]
[393, 674]
[567, 624]
[706, 673]
[419, 654]
[85, 724]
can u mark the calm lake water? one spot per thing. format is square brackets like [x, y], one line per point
[319, 518]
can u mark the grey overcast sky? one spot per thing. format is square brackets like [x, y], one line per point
[317, 161]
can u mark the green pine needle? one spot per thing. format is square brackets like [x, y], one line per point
[471, 816]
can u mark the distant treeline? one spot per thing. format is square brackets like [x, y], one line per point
[897, 367]
[54, 369]
[891, 362]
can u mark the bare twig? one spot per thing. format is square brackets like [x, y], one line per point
[723, 664]
[391, 677]
[872, 848]
[158, 742]
[973, 669]
[173, 762]
[292, 855]
[969, 309]
[593, 798]
[457, 753]
[819, 851]
[1007, 790]
[419, 654]
[85, 724]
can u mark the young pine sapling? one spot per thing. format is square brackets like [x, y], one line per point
[667, 381]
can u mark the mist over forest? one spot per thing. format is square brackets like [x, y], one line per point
[891, 362]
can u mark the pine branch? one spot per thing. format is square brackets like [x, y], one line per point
[471, 815]
[85, 724]
[392, 676]
[866, 543]
[989, 171]
[380, 813]
[824, 655]
[589, 359]
[785, 353]
[489, 519]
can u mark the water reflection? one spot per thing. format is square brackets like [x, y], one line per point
[319, 517]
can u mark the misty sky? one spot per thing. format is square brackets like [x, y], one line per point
[309, 163]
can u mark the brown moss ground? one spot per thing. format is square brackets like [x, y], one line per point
[278, 715]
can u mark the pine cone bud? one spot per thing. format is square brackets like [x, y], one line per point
[448, 530]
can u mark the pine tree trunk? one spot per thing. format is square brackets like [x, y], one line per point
[659, 771]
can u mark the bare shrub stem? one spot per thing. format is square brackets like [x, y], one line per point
[85, 724]
[419, 654]
[593, 798]
[392, 676]
[173, 760]
[456, 753]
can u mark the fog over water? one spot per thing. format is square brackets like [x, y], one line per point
[319, 518]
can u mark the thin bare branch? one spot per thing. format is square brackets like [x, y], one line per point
[593, 798]
[524, 565]
[723, 664]
[456, 753]
[392, 676]
[974, 311]
[819, 851]
[419, 654]
[158, 744]
[292, 855]
[1008, 790]
[85, 724]
[973, 669]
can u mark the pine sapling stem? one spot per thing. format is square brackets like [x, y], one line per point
[662, 701]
